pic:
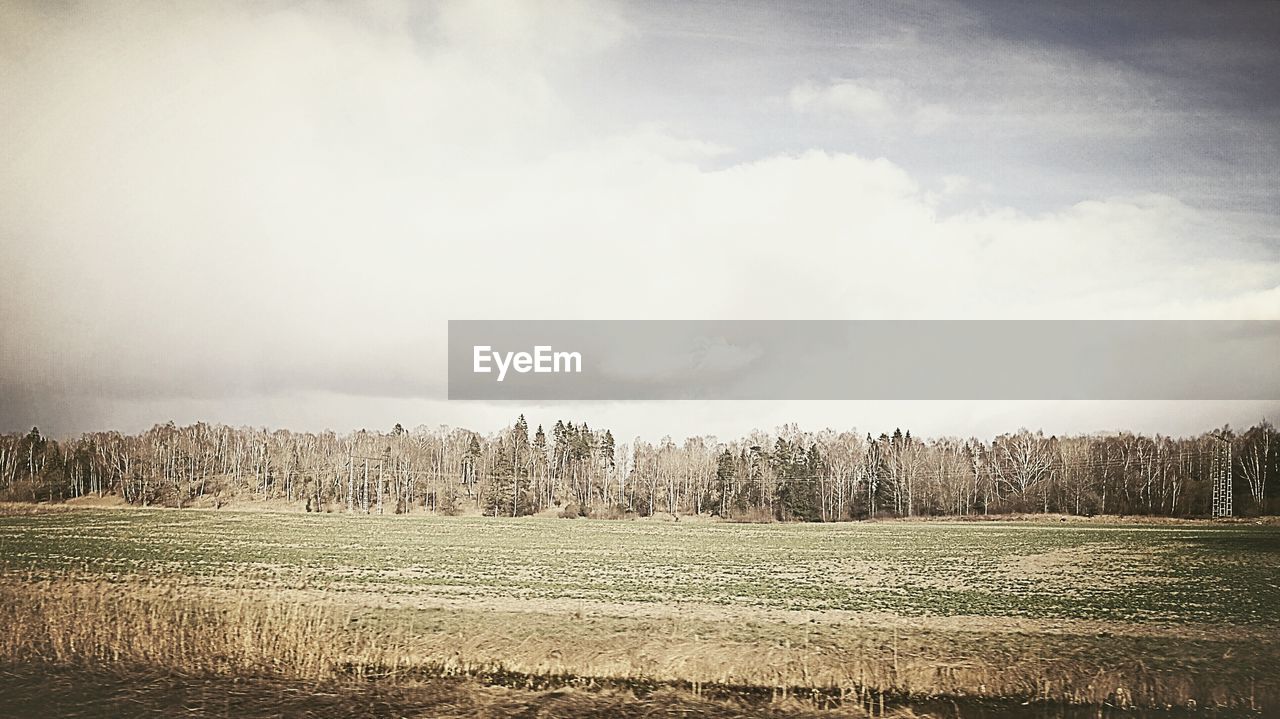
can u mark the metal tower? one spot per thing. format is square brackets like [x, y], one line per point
[1220, 475]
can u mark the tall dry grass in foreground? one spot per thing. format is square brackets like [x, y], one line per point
[193, 631]
[165, 625]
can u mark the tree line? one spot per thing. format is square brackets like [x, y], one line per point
[787, 474]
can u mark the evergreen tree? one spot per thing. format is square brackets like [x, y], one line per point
[607, 450]
[559, 450]
[521, 432]
[470, 464]
[519, 462]
[499, 491]
[797, 488]
[726, 470]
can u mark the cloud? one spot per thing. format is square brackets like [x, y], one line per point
[849, 99]
[238, 203]
[880, 105]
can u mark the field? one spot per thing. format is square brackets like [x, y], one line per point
[844, 618]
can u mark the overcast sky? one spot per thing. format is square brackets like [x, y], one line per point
[265, 213]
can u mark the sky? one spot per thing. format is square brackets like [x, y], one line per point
[265, 213]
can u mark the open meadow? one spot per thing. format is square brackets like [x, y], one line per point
[853, 618]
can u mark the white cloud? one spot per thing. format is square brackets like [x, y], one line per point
[881, 105]
[849, 99]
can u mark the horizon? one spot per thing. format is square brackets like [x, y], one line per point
[265, 214]
[547, 420]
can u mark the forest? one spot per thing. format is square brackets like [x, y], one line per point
[575, 470]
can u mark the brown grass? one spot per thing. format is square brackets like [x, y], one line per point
[101, 648]
[172, 629]
[139, 692]
[22, 509]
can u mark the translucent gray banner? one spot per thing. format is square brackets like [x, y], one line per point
[863, 359]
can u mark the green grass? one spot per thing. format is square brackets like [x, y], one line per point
[1162, 574]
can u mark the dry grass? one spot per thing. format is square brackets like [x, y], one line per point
[22, 509]
[162, 626]
[157, 624]
[137, 692]
[81, 649]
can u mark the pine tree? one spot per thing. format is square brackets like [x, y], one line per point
[499, 490]
[726, 470]
[519, 460]
[607, 450]
[470, 461]
[521, 431]
[559, 450]
[538, 464]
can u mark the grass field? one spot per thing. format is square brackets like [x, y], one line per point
[1119, 614]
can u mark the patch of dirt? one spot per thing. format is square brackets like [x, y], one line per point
[1068, 568]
